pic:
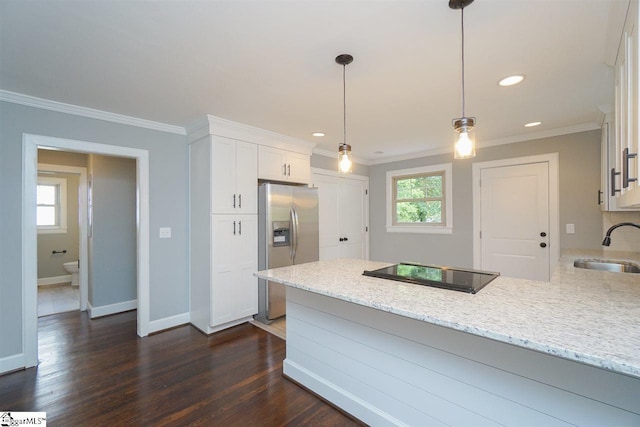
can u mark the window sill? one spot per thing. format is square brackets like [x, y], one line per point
[420, 230]
[52, 231]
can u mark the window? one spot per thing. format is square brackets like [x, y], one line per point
[419, 200]
[51, 200]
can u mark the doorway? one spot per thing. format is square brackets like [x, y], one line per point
[31, 143]
[516, 225]
[82, 289]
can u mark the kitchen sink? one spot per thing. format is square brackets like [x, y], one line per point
[602, 265]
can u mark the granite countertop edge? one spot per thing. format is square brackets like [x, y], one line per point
[564, 278]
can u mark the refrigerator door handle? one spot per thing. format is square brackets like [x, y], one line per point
[294, 233]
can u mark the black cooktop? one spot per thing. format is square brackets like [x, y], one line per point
[464, 280]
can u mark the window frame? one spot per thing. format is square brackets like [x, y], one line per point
[446, 227]
[60, 205]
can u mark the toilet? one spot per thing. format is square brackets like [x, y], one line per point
[73, 267]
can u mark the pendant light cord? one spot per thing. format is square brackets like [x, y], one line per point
[462, 25]
[344, 104]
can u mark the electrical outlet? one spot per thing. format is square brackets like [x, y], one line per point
[571, 229]
[165, 232]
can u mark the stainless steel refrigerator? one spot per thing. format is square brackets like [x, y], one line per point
[287, 235]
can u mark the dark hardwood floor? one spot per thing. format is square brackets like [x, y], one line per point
[98, 372]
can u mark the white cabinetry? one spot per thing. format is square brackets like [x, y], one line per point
[282, 165]
[223, 239]
[343, 215]
[625, 130]
[233, 176]
[234, 259]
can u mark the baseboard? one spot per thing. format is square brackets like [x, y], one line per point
[169, 322]
[346, 401]
[11, 363]
[55, 280]
[106, 310]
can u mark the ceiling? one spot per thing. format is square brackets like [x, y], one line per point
[270, 64]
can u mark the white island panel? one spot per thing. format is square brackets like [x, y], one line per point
[387, 369]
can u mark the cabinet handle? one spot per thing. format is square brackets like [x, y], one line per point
[599, 197]
[614, 190]
[234, 201]
[289, 169]
[625, 167]
[284, 169]
[239, 201]
[240, 227]
[234, 228]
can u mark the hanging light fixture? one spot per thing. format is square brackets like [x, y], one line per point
[465, 145]
[344, 149]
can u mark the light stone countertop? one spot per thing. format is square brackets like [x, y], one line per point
[588, 316]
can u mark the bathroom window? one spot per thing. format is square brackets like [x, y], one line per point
[419, 200]
[51, 199]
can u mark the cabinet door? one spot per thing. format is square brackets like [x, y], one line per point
[351, 211]
[223, 176]
[298, 167]
[328, 215]
[246, 171]
[246, 260]
[342, 215]
[271, 164]
[224, 230]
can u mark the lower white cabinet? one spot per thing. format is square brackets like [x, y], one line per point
[224, 292]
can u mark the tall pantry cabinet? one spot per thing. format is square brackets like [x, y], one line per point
[224, 232]
[227, 160]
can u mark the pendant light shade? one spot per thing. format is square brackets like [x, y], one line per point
[344, 149]
[464, 127]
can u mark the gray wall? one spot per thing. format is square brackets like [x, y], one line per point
[112, 245]
[168, 198]
[324, 162]
[579, 182]
[50, 264]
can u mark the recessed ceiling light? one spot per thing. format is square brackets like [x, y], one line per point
[318, 134]
[532, 124]
[511, 80]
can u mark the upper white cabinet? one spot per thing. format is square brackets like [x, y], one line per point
[233, 176]
[282, 165]
[624, 173]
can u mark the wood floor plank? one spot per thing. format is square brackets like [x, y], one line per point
[94, 372]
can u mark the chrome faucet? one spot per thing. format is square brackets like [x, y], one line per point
[607, 237]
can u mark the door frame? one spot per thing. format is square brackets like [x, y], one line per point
[363, 178]
[30, 145]
[552, 159]
[83, 274]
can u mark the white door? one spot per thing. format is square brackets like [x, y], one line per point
[343, 216]
[351, 213]
[514, 210]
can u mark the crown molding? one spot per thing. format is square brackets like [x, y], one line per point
[76, 110]
[211, 125]
[585, 127]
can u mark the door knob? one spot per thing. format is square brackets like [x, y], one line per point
[543, 234]
[543, 245]
[341, 239]
[345, 239]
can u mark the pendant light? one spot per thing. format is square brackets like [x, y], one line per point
[465, 145]
[344, 149]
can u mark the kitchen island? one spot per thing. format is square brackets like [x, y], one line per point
[519, 352]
